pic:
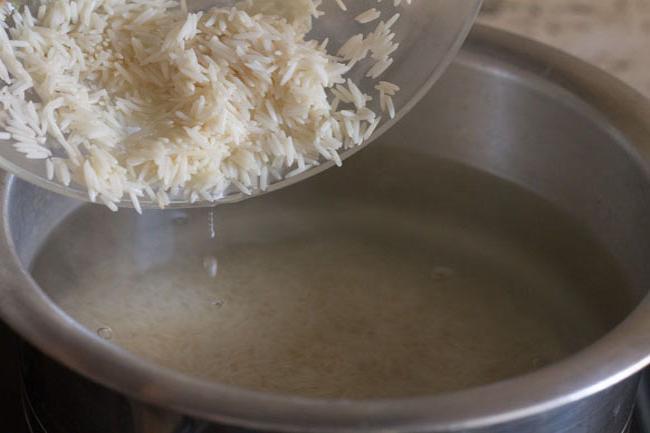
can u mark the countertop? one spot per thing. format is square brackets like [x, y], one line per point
[613, 34]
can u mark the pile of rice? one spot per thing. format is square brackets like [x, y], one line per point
[143, 98]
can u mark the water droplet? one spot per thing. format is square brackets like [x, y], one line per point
[213, 234]
[441, 273]
[105, 332]
[211, 265]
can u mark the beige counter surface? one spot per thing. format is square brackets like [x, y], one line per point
[613, 34]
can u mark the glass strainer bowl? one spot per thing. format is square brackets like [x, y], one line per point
[430, 33]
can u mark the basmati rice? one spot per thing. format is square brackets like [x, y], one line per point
[144, 100]
[368, 16]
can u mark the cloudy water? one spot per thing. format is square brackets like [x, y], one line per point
[353, 294]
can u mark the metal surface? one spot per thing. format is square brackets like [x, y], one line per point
[430, 34]
[10, 404]
[510, 107]
[86, 407]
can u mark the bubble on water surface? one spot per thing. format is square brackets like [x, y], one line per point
[105, 332]
[442, 273]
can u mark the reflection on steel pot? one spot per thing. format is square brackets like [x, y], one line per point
[518, 189]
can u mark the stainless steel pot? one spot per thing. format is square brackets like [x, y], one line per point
[551, 124]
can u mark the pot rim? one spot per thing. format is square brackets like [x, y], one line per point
[615, 357]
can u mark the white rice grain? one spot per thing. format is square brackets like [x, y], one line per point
[143, 100]
[368, 16]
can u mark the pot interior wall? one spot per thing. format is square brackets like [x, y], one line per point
[497, 230]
